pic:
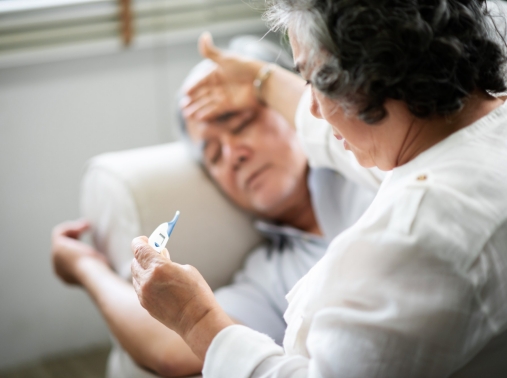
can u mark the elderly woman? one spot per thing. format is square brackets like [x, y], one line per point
[417, 287]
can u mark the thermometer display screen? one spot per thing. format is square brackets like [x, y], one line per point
[160, 236]
[159, 240]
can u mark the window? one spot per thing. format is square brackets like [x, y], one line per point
[39, 25]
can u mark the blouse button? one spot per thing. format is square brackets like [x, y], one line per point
[422, 177]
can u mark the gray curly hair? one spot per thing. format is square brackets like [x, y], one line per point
[430, 54]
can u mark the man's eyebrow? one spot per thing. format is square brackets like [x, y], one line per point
[225, 117]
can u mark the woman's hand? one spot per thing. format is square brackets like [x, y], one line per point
[177, 295]
[228, 87]
[68, 253]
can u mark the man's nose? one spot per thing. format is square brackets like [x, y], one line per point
[235, 152]
[314, 106]
[239, 157]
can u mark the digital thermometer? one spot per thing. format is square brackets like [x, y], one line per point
[158, 239]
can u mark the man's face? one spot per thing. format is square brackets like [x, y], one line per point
[255, 158]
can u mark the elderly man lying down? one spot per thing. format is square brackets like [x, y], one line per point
[254, 157]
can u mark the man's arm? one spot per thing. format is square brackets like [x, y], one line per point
[151, 344]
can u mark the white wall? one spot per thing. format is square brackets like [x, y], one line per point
[53, 117]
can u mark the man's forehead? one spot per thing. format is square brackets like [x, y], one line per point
[197, 128]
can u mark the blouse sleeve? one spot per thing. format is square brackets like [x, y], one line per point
[397, 318]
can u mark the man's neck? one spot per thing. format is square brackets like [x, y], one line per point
[306, 221]
[301, 215]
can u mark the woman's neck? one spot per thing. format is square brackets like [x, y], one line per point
[423, 134]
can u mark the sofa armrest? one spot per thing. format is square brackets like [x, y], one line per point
[128, 193]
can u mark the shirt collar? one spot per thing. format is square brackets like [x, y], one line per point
[274, 231]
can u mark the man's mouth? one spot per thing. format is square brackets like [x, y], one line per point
[254, 175]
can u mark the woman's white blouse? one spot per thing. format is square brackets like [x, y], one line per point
[416, 288]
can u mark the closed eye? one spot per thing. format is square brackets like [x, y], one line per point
[212, 152]
[213, 148]
[216, 156]
[243, 124]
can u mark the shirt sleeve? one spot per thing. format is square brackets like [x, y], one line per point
[324, 151]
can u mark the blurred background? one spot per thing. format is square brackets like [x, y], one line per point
[78, 78]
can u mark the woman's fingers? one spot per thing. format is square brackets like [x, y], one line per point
[136, 271]
[209, 112]
[143, 252]
[198, 93]
[226, 87]
[176, 295]
[207, 49]
[195, 106]
[206, 108]
[199, 87]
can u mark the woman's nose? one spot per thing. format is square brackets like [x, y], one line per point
[314, 106]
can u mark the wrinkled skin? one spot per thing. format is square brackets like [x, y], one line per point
[177, 295]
